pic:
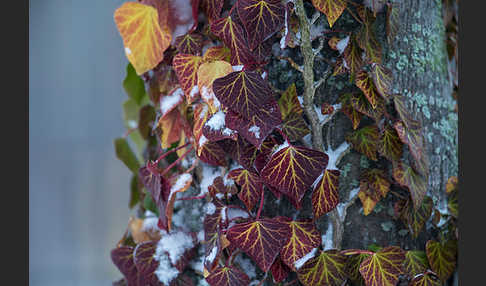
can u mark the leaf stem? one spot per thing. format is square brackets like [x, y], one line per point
[176, 161]
[262, 198]
[170, 152]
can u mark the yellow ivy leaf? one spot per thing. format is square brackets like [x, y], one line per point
[144, 40]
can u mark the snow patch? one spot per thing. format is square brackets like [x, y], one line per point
[237, 68]
[327, 238]
[209, 173]
[286, 32]
[280, 147]
[298, 264]
[212, 254]
[128, 51]
[210, 208]
[194, 91]
[342, 44]
[165, 271]
[334, 155]
[255, 130]
[175, 244]
[217, 121]
[168, 102]
[247, 266]
[209, 96]
[234, 213]
[180, 183]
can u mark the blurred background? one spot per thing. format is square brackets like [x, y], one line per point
[78, 205]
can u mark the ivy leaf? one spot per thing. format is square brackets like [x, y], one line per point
[303, 238]
[206, 74]
[361, 103]
[146, 120]
[331, 8]
[212, 233]
[189, 44]
[279, 270]
[442, 257]
[261, 18]
[382, 78]
[392, 21]
[295, 127]
[376, 181]
[369, 201]
[366, 38]
[259, 126]
[134, 85]
[251, 186]
[383, 267]
[125, 154]
[348, 109]
[212, 8]
[289, 102]
[232, 34]
[425, 279]
[217, 53]
[352, 267]
[365, 83]
[144, 40]
[416, 219]
[170, 101]
[404, 114]
[407, 177]
[452, 184]
[325, 196]
[240, 150]
[326, 269]
[171, 126]
[146, 264]
[390, 146]
[178, 184]
[227, 276]
[244, 92]
[412, 136]
[122, 257]
[293, 169]
[415, 262]
[186, 67]
[365, 140]
[261, 239]
[352, 56]
[201, 114]
[215, 128]
[453, 204]
[212, 153]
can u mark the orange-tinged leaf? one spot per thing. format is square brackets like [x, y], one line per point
[303, 238]
[331, 8]
[144, 40]
[382, 78]
[328, 268]
[369, 201]
[227, 276]
[244, 92]
[360, 102]
[390, 146]
[451, 184]
[171, 126]
[217, 53]
[383, 267]
[325, 196]
[251, 186]
[207, 73]
[186, 67]
[189, 44]
[295, 127]
[375, 181]
[415, 262]
[365, 83]
[261, 239]
[407, 177]
[365, 140]
[293, 169]
[442, 257]
[261, 19]
[170, 101]
[233, 36]
[289, 103]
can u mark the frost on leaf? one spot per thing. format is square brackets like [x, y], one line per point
[251, 186]
[144, 39]
[261, 19]
[215, 128]
[365, 140]
[328, 268]
[261, 239]
[383, 267]
[186, 67]
[212, 234]
[442, 257]
[293, 169]
[179, 184]
[227, 276]
[325, 196]
[303, 238]
[332, 8]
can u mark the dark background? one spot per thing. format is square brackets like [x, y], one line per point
[78, 190]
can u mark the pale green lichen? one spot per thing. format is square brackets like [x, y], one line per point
[387, 226]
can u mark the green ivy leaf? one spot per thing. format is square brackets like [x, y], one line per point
[126, 155]
[134, 192]
[415, 262]
[134, 85]
[442, 257]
